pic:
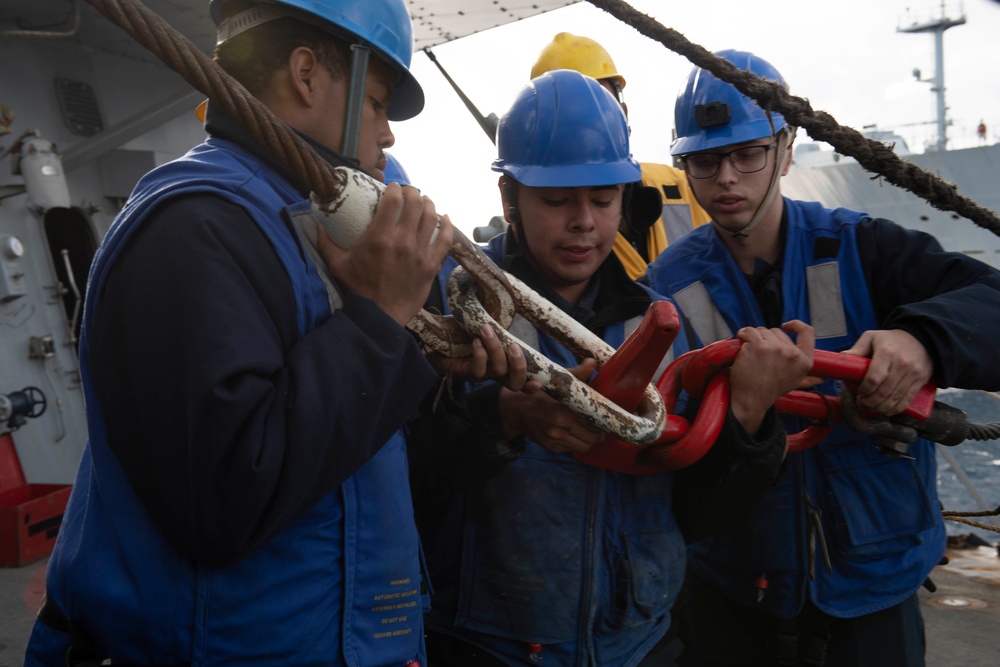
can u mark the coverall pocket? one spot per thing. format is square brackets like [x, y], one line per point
[523, 555]
[648, 576]
[879, 507]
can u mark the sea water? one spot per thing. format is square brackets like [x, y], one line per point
[979, 460]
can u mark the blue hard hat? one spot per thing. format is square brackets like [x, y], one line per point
[383, 25]
[710, 113]
[565, 130]
[394, 172]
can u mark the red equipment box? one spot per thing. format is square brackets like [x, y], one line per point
[30, 514]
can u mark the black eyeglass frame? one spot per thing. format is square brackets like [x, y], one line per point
[729, 154]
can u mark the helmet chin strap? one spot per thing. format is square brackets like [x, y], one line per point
[772, 191]
[355, 101]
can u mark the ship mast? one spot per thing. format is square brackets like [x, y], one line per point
[937, 26]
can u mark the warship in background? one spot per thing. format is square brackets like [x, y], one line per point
[837, 180]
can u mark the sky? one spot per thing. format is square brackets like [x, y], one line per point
[845, 57]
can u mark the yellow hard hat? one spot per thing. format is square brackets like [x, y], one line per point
[568, 51]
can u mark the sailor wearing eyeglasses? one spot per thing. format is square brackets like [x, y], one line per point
[826, 570]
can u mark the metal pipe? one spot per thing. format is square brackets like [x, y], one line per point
[71, 280]
[488, 123]
[355, 101]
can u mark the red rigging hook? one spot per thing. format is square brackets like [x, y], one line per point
[703, 375]
[825, 410]
[624, 377]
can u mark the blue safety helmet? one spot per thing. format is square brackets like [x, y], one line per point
[394, 172]
[382, 25]
[565, 130]
[710, 113]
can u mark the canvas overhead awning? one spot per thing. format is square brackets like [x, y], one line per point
[438, 21]
[434, 21]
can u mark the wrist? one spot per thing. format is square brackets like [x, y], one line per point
[749, 414]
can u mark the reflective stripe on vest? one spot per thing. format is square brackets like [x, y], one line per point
[705, 318]
[826, 301]
[677, 220]
[826, 306]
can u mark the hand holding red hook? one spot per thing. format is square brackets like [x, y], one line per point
[703, 374]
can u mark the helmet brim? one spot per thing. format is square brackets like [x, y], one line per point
[727, 135]
[572, 176]
[407, 98]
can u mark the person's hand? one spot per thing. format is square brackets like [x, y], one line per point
[899, 367]
[548, 422]
[488, 362]
[394, 262]
[768, 365]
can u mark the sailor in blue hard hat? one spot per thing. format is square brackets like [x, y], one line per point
[563, 150]
[711, 114]
[826, 569]
[242, 498]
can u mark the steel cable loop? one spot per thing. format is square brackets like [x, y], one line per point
[495, 290]
[559, 383]
[444, 334]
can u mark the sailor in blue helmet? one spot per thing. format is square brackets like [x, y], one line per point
[636, 246]
[826, 570]
[536, 557]
[242, 499]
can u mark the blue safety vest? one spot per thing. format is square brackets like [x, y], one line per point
[582, 561]
[340, 586]
[880, 515]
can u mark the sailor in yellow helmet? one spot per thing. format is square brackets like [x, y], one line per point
[680, 212]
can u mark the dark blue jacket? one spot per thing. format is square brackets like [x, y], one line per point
[844, 274]
[585, 562]
[242, 499]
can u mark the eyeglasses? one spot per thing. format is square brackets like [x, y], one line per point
[746, 160]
